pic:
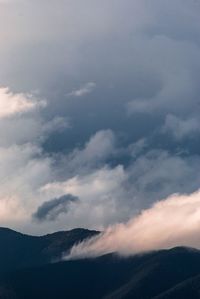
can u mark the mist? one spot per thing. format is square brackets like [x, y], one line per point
[172, 222]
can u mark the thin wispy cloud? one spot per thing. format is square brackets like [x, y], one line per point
[83, 90]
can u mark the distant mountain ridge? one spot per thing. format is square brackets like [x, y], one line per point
[26, 270]
[19, 250]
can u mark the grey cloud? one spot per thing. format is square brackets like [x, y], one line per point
[57, 124]
[181, 128]
[98, 150]
[157, 174]
[134, 104]
[117, 193]
[149, 59]
[51, 209]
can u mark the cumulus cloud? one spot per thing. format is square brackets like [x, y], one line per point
[25, 167]
[51, 209]
[24, 170]
[117, 193]
[99, 191]
[168, 223]
[100, 147]
[112, 191]
[11, 104]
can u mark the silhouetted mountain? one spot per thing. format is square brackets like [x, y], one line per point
[165, 274]
[18, 250]
[189, 288]
[164, 270]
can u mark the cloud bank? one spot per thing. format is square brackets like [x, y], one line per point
[168, 223]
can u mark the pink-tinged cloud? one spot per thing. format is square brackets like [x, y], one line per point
[168, 223]
[11, 104]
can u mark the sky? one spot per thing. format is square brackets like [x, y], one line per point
[99, 111]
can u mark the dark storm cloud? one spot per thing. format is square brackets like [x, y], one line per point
[141, 57]
[51, 209]
[121, 83]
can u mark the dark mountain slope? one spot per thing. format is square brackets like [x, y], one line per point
[89, 278]
[161, 272]
[18, 250]
[189, 288]
[27, 271]
[138, 277]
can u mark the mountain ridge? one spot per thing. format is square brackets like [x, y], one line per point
[28, 270]
[19, 250]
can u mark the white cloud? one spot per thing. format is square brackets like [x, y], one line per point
[113, 194]
[99, 191]
[83, 90]
[23, 171]
[99, 182]
[169, 223]
[116, 194]
[12, 104]
[25, 167]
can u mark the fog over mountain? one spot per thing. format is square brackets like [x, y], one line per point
[30, 268]
[169, 223]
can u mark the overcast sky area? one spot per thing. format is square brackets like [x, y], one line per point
[99, 110]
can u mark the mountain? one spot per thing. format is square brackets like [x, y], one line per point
[164, 274]
[18, 250]
[187, 289]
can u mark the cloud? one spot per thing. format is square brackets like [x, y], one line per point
[157, 173]
[84, 90]
[99, 148]
[116, 193]
[94, 173]
[100, 190]
[25, 167]
[51, 209]
[24, 170]
[181, 128]
[144, 57]
[57, 124]
[113, 193]
[21, 119]
[111, 145]
[11, 104]
[168, 223]
[138, 147]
